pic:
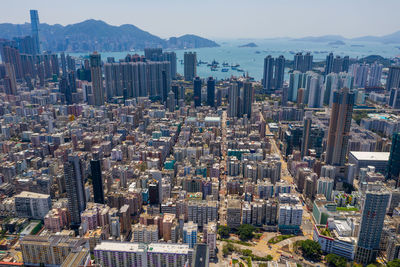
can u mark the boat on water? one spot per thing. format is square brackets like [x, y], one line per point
[225, 64]
[235, 65]
[225, 70]
[214, 69]
[240, 70]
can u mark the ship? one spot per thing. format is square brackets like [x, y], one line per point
[225, 70]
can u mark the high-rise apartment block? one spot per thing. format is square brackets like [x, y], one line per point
[32, 205]
[372, 219]
[274, 72]
[190, 65]
[339, 127]
[139, 254]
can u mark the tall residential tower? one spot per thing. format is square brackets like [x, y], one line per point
[339, 127]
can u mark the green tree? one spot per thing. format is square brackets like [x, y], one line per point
[227, 249]
[311, 250]
[247, 252]
[246, 232]
[335, 260]
[394, 263]
[223, 231]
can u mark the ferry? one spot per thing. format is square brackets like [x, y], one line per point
[214, 63]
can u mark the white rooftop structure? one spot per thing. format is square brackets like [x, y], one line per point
[141, 247]
[370, 156]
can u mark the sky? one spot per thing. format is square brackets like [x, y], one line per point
[219, 19]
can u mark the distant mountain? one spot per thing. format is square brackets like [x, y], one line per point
[338, 42]
[91, 35]
[386, 39]
[321, 39]
[190, 41]
[248, 45]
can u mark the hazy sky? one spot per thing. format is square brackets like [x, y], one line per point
[221, 18]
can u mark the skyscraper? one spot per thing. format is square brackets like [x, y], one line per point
[393, 79]
[329, 64]
[247, 98]
[314, 89]
[373, 216]
[393, 170]
[73, 173]
[268, 76]
[274, 72]
[297, 80]
[306, 133]
[340, 64]
[331, 84]
[279, 75]
[63, 65]
[303, 63]
[233, 99]
[171, 58]
[375, 75]
[308, 61]
[211, 92]
[11, 84]
[346, 63]
[197, 91]
[97, 80]
[394, 99]
[190, 64]
[35, 30]
[97, 181]
[339, 127]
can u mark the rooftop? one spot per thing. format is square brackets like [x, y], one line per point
[140, 247]
[371, 156]
[31, 195]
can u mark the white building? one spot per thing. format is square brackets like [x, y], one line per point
[290, 215]
[210, 237]
[126, 254]
[32, 205]
[144, 233]
[190, 234]
[325, 187]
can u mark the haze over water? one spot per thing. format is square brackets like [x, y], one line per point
[251, 59]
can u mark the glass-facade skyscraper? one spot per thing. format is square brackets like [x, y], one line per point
[35, 30]
[393, 170]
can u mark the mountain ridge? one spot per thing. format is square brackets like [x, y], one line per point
[91, 34]
[391, 38]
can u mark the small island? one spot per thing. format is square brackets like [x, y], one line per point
[248, 45]
[338, 42]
